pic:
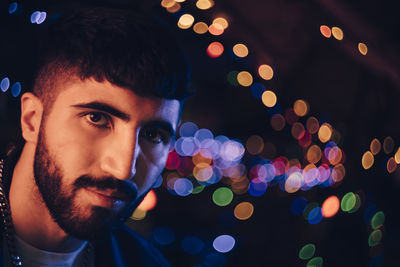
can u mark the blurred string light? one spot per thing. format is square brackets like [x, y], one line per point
[325, 31]
[244, 78]
[16, 89]
[221, 21]
[185, 21]
[215, 49]
[243, 210]
[266, 72]
[204, 4]
[315, 262]
[307, 252]
[12, 8]
[216, 29]
[269, 98]
[240, 50]
[390, 162]
[200, 27]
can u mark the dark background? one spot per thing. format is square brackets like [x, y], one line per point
[357, 94]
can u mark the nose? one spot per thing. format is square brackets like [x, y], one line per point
[119, 155]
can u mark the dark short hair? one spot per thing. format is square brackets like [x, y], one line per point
[127, 49]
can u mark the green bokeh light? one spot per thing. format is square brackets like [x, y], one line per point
[375, 238]
[348, 202]
[378, 220]
[307, 252]
[357, 205]
[222, 196]
[308, 209]
[198, 189]
[315, 262]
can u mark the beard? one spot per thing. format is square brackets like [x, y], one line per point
[75, 218]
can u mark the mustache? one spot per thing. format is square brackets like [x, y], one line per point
[122, 189]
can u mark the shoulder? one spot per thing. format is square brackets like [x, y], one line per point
[145, 252]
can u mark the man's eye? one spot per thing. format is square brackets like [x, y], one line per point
[155, 136]
[98, 119]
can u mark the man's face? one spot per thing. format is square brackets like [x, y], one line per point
[99, 150]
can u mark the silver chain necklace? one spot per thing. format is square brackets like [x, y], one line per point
[9, 232]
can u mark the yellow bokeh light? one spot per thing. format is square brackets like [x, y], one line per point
[255, 145]
[243, 210]
[312, 125]
[269, 98]
[314, 154]
[179, 1]
[167, 3]
[367, 160]
[216, 29]
[244, 78]
[200, 28]
[200, 158]
[240, 50]
[204, 4]
[388, 145]
[293, 182]
[337, 33]
[185, 21]
[138, 214]
[266, 72]
[278, 122]
[325, 132]
[221, 21]
[397, 156]
[375, 146]
[300, 107]
[175, 8]
[362, 48]
[391, 165]
[203, 172]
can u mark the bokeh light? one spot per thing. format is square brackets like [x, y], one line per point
[12, 7]
[315, 216]
[308, 209]
[200, 27]
[216, 29]
[138, 214]
[5, 84]
[183, 187]
[375, 238]
[388, 145]
[224, 243]
[325, 132]
[167, 3]
[278, 122]
[337, 33]
[362, 48]
[298, 205]
[348, 202]
[294, 182]
[266, 72]
[188, 129]
[149, 201]
[314, 154]
[297, 130]
[222, 196]
[204, 4]
[240, 50]
[38, 17]
[307, 252]
[330, 206]
[375, 146]
[16, 89]
[215, 49]
[243, 210]
[315, 262]
[325, 31]
[312, 125]
[397, 156]
[221, 21]
[300, 107]
[175, 8]
[192, 245]
[391, 165]
[269, 98]
[244, 78]
[367, 160]
[255, 144]
[185, 21]
[378, 220]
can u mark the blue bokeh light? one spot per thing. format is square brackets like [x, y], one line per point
[192, 245]
[315, 215]
[5, 84]
[12, 7]
[41, 18]
[298, 205]
[183, 187]
[257, 89]
[16, 89]
[188, 129]
[203, 134]
[163, 235]
[257, 188]
[35, 16]
[224, 243]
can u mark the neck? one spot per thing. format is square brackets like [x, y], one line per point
[32, 220]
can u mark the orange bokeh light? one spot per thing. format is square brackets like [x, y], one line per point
[149, 201]
[330, 206]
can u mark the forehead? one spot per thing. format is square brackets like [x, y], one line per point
[76, 91]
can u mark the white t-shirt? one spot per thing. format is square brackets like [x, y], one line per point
[34, 257]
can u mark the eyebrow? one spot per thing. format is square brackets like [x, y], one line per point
[100, 106]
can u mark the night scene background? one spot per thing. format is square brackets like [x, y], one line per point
[287, 154]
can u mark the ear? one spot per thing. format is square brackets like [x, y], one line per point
[31, 117]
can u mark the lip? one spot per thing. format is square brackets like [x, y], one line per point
[102, 198]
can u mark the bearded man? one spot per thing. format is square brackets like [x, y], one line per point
[97, 127]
